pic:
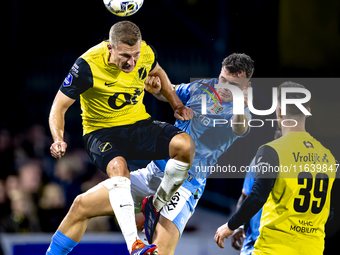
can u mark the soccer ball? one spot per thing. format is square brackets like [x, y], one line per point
[123, 8]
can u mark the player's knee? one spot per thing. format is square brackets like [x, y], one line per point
[117, 167]
[79, 208]
[182, 147]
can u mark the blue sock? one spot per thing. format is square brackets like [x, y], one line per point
[60, 244]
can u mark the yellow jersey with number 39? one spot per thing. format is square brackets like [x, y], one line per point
[297, 209]
[108, 96]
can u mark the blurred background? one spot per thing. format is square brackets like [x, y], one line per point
[287, 39]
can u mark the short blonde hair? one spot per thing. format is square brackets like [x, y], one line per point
[292, 109]
[124, 32]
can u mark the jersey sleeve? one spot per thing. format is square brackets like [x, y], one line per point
[253, 203]
[249, 179]
[78, 80]
[264, 182]
[156, 58]
[266, 158]
[183, 92]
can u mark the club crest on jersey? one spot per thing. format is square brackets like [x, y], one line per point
[308, 144]
[68, 80]
[142, 73]
[105, 147]
[216, 109]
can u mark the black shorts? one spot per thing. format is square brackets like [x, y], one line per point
[146, 139]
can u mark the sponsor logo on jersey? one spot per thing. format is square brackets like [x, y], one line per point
[68, 80]
[309, 157]
[324, 159]
[110, 84]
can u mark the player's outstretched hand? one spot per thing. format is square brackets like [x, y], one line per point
[236, 239]
[58, 149]
[153, 84]
[183, 113]
[221, 233]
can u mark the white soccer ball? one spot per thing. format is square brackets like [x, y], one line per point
[123, 8]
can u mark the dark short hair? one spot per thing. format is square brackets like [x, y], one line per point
[292, 109]
[124, 32]
[237, 63]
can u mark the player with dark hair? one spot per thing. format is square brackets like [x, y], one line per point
[237, 63]
[165, 228]
[109, 78]
[296, 203]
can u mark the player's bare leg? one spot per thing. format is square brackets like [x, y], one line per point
[94, 202]
[166, 236]
[182, 152]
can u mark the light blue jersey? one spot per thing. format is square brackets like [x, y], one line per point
[254, 223]
[212, 138]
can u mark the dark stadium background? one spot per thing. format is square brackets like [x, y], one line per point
[286, 39]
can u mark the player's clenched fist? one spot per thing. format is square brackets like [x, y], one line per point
[183, 113]
[58, 149]
[222, 232]
[153, 84]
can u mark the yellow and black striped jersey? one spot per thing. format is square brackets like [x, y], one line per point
[108, 96]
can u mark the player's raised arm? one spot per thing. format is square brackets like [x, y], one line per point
[57, 122]
[181, 112]
[153, 85]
